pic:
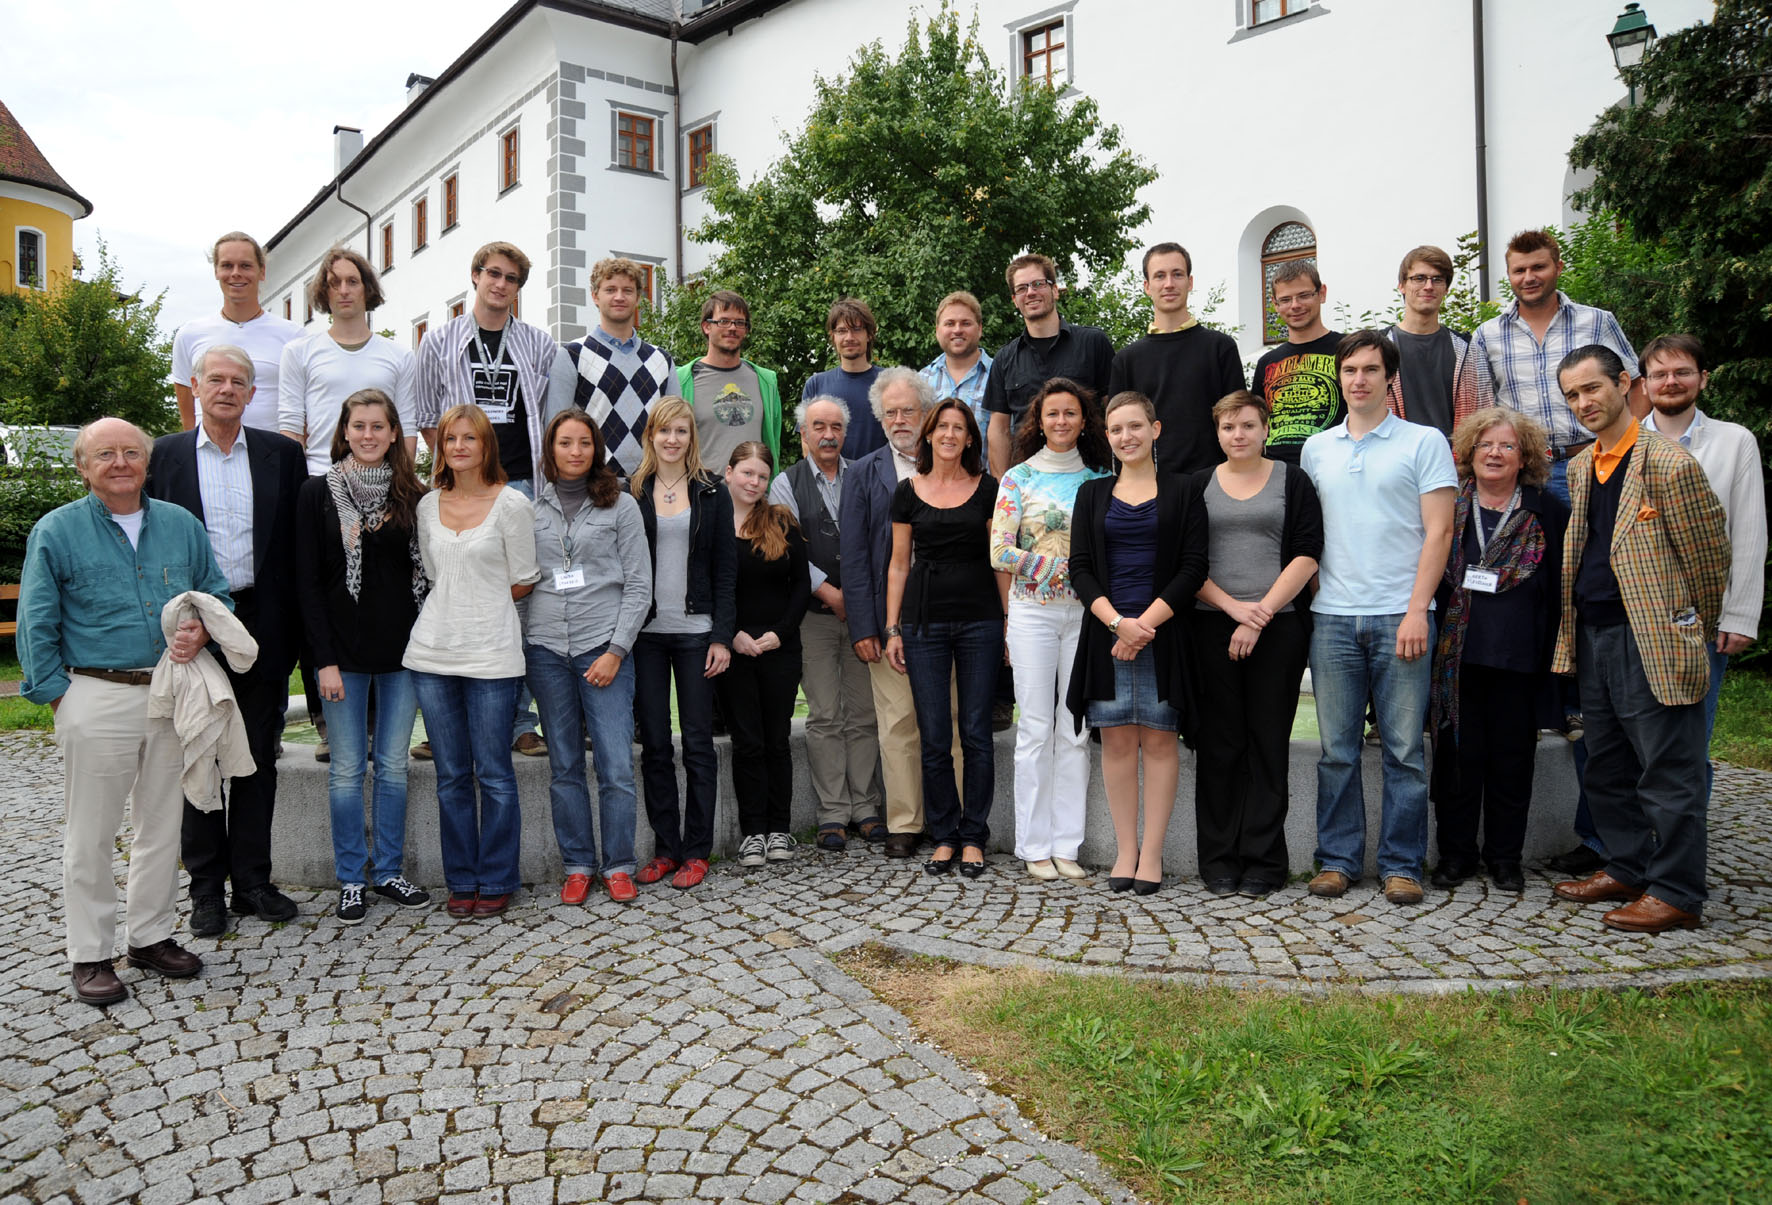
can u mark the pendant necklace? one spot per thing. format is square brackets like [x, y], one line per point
[670, 491]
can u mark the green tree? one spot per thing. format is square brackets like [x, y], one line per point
[914, 175]
[85, 349]
[1684, 181]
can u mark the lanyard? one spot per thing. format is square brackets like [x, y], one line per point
[489, 363]
[1513, 504]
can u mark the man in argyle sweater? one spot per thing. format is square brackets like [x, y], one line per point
[613, 374]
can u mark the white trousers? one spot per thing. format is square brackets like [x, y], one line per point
[112, 753]
[1051, 757]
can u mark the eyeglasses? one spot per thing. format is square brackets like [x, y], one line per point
[1674, 374]
[109, 456]
[1032, 286]
[898, 412]
[1491, 445]
[729, 324]
[495, 275]
[1420, 279]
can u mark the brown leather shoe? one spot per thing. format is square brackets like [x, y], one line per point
[899, 845]
[530, 745]
[1401, 889]
[1647, 914]
[492, 905]
[1329, 884]
[167, 959]
[97, 984]
[1597, 888]
[461, 904]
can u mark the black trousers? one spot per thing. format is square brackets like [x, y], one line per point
[660, 658]
[234, 841]
[757, 697]
[1485, 775]
[1245, 732]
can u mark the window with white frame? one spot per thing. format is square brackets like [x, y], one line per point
[29, 260]
[1042, 46]
[1263, 11]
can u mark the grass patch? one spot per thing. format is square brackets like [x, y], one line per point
[1743, 735]
[1208, 1095]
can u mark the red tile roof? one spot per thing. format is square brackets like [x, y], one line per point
[21, 161]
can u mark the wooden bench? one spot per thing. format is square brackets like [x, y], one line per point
[9, 593]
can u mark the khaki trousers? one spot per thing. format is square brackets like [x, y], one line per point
[901, 752]
[112, 752]
[842, 744]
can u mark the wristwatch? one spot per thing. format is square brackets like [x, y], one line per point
[1114, 627]
[894, 630]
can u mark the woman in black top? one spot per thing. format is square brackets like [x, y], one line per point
[758, 689]
[361, 582]
[1499, 607]
[1138, 554]
[944, 621]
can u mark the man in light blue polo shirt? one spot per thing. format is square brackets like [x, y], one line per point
[1387, 489]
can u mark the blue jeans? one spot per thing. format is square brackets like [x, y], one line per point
[467, 720]
[568, 702]
[658, 658]
[523, 714]
[970, 652]
[1719, 664]
[347, 726]
[1353, 657]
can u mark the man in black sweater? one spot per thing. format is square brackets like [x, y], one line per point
[1183, 367]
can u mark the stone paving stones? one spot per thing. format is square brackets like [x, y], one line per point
[696, 1047]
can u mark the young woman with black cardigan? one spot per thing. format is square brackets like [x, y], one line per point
[758, 689]
[1138, 554]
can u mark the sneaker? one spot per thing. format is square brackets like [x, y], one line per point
[403, 893]
[350, 903]
[209, 916]
[781, 847]
[1572, 729]
[751, 850]
[323, 750]
[1372, 737]
[530, 745]
[422, 751]
[264, 900]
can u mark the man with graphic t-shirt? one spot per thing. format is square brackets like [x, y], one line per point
[1049, 347]
[1438, 383]
[501, 364]
[239, 270]
[613, 375]
[319, 371]
[1297, 379]
[850, 326]
[735, 400]
[1183, 367]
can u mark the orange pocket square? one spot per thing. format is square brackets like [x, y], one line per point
[1646, 512]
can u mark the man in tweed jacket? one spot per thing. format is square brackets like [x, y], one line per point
[1644, 565]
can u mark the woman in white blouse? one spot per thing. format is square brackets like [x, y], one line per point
[477, 539]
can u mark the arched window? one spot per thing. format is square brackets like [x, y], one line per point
[30, 258]
[1285, 243]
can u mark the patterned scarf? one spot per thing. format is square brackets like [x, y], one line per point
[1515, 552]
[360, 494]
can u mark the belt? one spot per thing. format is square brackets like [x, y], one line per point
[1565, 453]
[126, 677]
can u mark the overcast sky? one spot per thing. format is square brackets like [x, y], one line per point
[181, 119]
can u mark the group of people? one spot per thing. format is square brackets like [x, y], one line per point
[1142, 544]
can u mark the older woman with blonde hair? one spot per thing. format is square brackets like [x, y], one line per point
[1499, 605]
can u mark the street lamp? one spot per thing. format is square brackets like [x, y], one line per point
[1630, 39]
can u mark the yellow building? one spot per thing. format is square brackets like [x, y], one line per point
[37, 213]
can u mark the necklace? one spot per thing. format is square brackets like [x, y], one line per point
[670, 491]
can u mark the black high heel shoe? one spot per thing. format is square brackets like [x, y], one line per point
[973, 869]
[1120, 884]
[940, 865]
[1146, 886]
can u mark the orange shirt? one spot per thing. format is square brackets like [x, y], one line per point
[1606, 462]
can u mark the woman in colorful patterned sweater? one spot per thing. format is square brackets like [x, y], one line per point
[1059, 445]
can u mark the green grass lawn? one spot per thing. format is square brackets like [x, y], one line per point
[1213, 1095]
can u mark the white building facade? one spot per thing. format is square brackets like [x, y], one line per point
[1341, 129]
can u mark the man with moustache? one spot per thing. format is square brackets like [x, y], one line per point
[242, 484]
[1183, 367]
[1673, 369]
[963, 368]
[842, 743]
[96, 574]
[1048, 347]
[240, 270]
[1387, 488]
[1645, 563]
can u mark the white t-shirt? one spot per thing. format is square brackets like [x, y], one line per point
[263, 339]
[318, 375]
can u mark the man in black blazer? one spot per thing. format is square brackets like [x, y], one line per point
[242, 484]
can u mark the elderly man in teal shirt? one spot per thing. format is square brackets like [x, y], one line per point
[97, 573]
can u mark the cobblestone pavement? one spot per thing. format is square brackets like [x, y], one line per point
[693, 1047]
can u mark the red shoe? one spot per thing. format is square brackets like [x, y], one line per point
[492, 905]
[461, 904]
[575, 889]
[621, 887]
[655, 870]
[692, 872]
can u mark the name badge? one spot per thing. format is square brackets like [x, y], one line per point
[1484, 581]
[497, 414]
[569, 579]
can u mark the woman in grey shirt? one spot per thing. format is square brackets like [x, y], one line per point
[1251, 639]
[584, 615]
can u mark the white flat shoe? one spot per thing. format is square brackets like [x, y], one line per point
[1042, 870]
[1069, 869]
